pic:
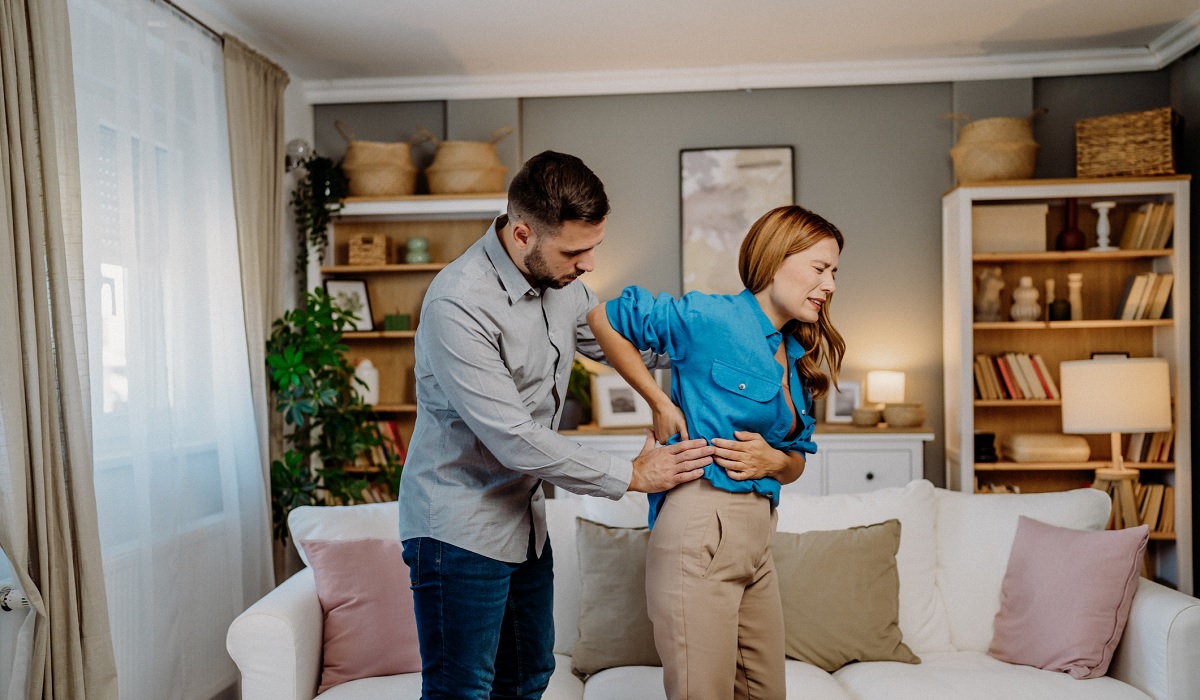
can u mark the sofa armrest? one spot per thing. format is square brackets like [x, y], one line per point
[1157, 651]
[276, 643]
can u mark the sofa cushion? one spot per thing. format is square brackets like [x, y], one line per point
[614, 627]
[369, 629]
[923, 620]
[957, 675]
[646, 683]
[1066, 596]
[375, 520]
[974, 536]
[841, 595]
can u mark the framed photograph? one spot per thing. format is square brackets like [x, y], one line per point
[352, 296]
[616, 405]
[841, 402]
[722, 192]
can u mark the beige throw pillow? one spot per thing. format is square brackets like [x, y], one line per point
[841, 595]
[614, 627]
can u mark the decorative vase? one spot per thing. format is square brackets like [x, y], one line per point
[1071, 238]
[1075, 295]
[990, 281]
[1102, 225]
[1056, 309]
[418, 251]
[1025, 302]
[366, 372]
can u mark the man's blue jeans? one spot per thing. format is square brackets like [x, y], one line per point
[486, 627]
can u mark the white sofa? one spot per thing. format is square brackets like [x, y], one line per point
[953, 553]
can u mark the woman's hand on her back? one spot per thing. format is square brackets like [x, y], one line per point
[668, 420]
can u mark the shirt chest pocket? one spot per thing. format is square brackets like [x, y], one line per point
[738, 381]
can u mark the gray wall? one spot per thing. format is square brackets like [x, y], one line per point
[872, 159]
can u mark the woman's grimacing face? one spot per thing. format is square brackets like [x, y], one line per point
[802, 285]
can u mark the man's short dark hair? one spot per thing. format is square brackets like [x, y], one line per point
[553, 188]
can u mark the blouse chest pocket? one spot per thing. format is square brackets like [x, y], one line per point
[743, 383]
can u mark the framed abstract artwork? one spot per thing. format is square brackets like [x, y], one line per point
[722, 192]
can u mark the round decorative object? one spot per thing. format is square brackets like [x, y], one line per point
[1025, 305]
[418, 250]
[903, 415]
[866, 417]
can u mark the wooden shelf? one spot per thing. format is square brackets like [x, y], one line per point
[395, 408]
[366, 269]
[425, 207]
[1067, 466]
[377, 335]
[1069, 325]
[1057, 256]
[1016, 403]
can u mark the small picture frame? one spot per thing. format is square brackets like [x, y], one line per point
[841, 402]
[352, 296]
[617, 405]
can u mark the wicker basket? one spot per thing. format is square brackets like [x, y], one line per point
[1134, 143]
[466, 167]
[996, 130]
[377, 168]
[982, 162]
[368, 249]
[465, 180]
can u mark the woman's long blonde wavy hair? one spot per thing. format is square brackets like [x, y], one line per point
[781, 232]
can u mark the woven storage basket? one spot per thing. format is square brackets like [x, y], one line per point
[466, 167]
[368, 249]
[1134, 143]
[997, 129]
[377, 168]
[980, 162]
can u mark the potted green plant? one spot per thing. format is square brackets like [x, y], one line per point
[317, 198]
[313, 385]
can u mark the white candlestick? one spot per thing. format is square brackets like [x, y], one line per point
[1102, 226]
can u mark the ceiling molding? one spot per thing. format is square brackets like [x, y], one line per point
[1170, 46]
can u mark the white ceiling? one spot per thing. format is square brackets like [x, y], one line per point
[356, 50]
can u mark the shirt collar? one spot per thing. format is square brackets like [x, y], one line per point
[511, 278]
[794, 349]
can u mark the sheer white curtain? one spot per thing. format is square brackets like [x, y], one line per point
[178, 479]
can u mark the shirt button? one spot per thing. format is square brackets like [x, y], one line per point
[741, 387]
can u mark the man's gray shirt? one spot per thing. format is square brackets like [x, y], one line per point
[493, 356]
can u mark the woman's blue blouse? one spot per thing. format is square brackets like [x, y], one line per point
[724, 374]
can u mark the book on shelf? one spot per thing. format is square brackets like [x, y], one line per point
[1013, 375]
[1135, 289]
[1166, 519]
[1157, 305]
[1148, 227]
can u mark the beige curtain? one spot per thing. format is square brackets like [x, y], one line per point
[254, 102]
[47, 502]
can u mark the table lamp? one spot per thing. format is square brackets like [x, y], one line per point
[1117, 396]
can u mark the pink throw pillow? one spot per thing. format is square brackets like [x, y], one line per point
[1066, 596]
[370, 628]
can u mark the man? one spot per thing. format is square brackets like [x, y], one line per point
[499, 328]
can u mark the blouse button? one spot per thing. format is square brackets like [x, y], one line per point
[741, 387]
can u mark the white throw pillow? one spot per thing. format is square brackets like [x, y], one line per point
[560, 524]
[923, 620]
[374, 520]
[975, 533]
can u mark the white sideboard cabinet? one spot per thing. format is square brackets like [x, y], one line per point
[848, 459]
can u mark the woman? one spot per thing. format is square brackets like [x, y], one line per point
[711, 586]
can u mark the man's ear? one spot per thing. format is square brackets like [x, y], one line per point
[523, 235]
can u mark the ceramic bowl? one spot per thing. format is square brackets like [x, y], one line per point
[904, 415]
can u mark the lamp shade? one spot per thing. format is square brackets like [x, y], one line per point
[885, 386]
[1116, 396]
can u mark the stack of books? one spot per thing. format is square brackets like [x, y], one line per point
[1146, 296]
[1013, 375]
[1149, 227]
[1156, 507]
[1151, 447]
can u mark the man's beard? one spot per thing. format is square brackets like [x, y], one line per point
[539, 270]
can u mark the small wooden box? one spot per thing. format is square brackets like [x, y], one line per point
[368, 249]
[1008, 228]
[1134, 143]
